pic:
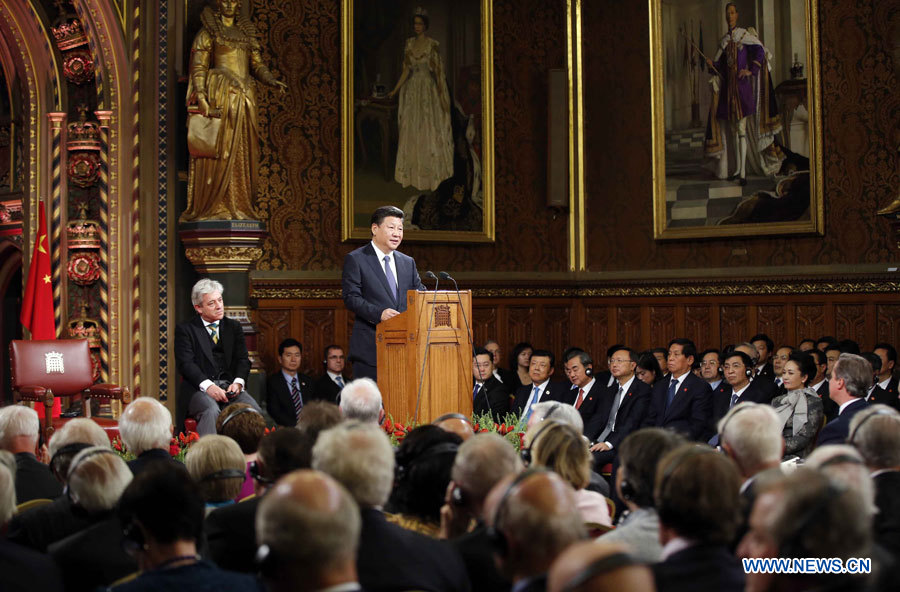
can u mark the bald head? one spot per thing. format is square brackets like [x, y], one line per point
[456, 425]
[304, 502]
[590, 566]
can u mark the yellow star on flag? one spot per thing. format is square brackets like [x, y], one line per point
[41, 240]
[46, 279]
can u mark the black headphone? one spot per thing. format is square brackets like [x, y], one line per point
[850, 440]
[525, 453]
[665, 514]
[237, 412]
[256, 476]
[840, 459]
[403, 470]
[96, 452]
[66, 452]
[132, 537]
[737, 409]
[495, 534]
[627, 489]
[600, 566]
[267, 561]
[224, 474]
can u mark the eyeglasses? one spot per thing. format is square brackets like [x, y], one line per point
[619, 361]
[709, 363]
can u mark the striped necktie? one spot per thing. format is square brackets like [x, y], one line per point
[295, 396]
[214, 331]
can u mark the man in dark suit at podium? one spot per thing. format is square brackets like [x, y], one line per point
[374, 283]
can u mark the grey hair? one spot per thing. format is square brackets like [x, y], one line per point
[482, 461]
[753, 432]
[560, 412]
[18, 420]
[79, 430]
[844, 465]
[7, 495]
[875, 432]
[205, 286]
[753, 356]
[361, 400]
[97, 478]
[145, 424]
[856, 372]
[359, 456]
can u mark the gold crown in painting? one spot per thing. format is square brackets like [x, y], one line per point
[83, 134]
[69, 34]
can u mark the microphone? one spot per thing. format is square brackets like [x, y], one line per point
[429, 275]
[446, 276]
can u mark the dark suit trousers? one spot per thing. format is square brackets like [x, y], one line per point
[363, 370]
[206, 410]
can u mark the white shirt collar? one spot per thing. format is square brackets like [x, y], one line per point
[627, 385]
[497, 375]
[208, 323]
[715, 384]
[289, 378]
[850, 402]
[884, 383]
[680, 379]
[740, 392]
[586, 387]
[816, 386]
[675, 545]
[333, 375]
[381, 253]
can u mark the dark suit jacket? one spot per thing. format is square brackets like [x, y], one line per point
[690, 410]
[477, 554]
[767, 372]
[34, 479]
[701, 567]
[326, 389]
[39, 527]
[25, 570]
[879, 395]
[760, 390]
[93, 557]
[195, 362]
[148, 458]
[366, 294]
[554, 391]
[391, 558]
[494, 397]
[231, 535]
[887, 521]
[594, 401]
[629, 417]
[837, 430]
[830, 407]
[278, 398]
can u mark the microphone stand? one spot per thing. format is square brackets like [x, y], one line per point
[428, 275]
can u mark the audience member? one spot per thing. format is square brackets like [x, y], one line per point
[824, 342]
[533, 519]
[875, 432]
[318, 416]
[682, 403]
[849, 382]
[877, 395]
[246, 426]
[764, 346]
[564, 451]
[361, 400]
[585, 392]
[163, 516]
[288, 389]
[489, 394]
[820, 384]
[230, 530]
[697, 498]
[662, 359]
[423, 460]
[480, 463]
[19, 433]
[832, 353]
[639, 456]
[70, 439]
[806, 344]
[507, 377]
[648, 369]
[21, 568]
[737, 388]
[328, 386]
[560, 412]
[520, 364]
[290, 559]
[599, 567]
[886, 378]
[93, 556]
[541, 388]
[711, 368]
[766, 388]
[455, 423]
[799, 409]
[845, 467]
[146, 429]
[778, 360]
[359, 456]
[217, 465]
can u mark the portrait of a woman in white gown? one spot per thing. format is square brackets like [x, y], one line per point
[425, 143]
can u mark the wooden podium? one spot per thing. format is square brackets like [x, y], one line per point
[400, 346]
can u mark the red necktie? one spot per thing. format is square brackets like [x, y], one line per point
[579, 399]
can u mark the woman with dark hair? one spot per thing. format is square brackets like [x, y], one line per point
[519, 360]
[647, 369]
[424, 460]
[800, 408]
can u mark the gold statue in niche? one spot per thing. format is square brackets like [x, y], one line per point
[223, 132]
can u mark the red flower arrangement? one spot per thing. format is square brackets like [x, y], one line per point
[178, 447]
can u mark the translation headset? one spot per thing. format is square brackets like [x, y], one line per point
[737, 409]
[495, 534]
[525, 453]
[589, 371]
[850, 440]
[224, 474]
[72, 467]
[237, 412]
[600, 566]
[256, 476]
[841, 459]
[65, 453]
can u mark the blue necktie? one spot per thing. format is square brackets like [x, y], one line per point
[734, 398]
[673, 387]
[392, 283]
[531, 401]
[475, 391]
[340, 381]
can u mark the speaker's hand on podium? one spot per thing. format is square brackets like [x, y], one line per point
[388, 313]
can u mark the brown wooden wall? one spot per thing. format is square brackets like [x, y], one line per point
[596, 323]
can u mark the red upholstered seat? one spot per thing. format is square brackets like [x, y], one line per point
[190, 425]
[44, 369]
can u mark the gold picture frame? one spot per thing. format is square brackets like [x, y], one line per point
[379, 40]
[698, 136]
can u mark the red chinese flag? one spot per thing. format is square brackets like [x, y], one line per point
[37, 307]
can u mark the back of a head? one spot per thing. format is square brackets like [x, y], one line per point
[97, 478]
[424, 460]
[217, 464]
[167, 503]
[564, 451]
[146, 424]
[318, 416]
[752, 433]
[482, 461]
[844, 465]
[361, 400]
[7, 496]
[306, 502]
[558, 412]
[856, 372]
[359, 456]
[697, 494]
[243, 424]
[283, 451]
[18, 421]
[875, 433]
[639, 455]
[593, 566]
[78, 430]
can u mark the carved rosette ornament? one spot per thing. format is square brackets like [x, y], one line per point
[83, 240]
[83, 144]
[84, 268]
[78, 64]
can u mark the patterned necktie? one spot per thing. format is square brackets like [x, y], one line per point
[392, 283]
[295, 395]
[580, 398]
[214, 331]
[673, 387]
[734, 398]
[340, 381]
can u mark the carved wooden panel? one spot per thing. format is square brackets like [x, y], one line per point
[484, 324]
[556, 331]
[887, 323]
[519, 325]
[770, 319]
[317, 331]
[274, 326]
[662, 324]
[732, 324]
[698, 325]
[809, 321]
[628, 327]
[850, 323]
[596, 331]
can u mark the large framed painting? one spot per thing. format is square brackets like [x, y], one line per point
[736, 118]
[417, 117]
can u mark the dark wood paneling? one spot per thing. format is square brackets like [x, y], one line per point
[770, 319]
[733, 324]
[850, 323]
